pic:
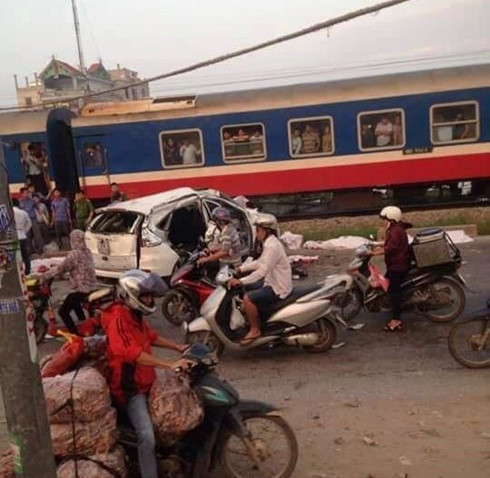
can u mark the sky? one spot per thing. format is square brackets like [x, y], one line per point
[156, 36]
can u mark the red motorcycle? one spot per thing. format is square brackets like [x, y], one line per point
[189, 288]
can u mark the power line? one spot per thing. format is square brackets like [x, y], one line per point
[245, 51]
[238, 78]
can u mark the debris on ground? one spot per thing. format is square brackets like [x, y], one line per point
[342, 242]
[292, 241]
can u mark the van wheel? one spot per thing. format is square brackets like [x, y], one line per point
[178, 307]
[208, 339]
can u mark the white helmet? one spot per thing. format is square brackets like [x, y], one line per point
[267, 221]
[392, 213]
[134, 283]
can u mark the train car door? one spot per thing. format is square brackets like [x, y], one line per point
[62, 152]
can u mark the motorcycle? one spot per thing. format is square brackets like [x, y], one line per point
[436, 292]
[244, 438]
[39, 296]
[306, 318]
[189, 288]
[469, 340]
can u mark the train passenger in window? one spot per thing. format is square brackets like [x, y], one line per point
[311, 140]
[384, 132]
[171, 153]
[367, 136]
[257, 143]
[228, 144]
[397, 131]
[242, 143]
[327, 142]
[463, 130]
[241, 136]
[296, 142]
[189, 153]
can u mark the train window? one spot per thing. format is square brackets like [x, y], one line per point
[379, 130]
[182, 148]
[454, 122]
[311, 136]
[93, 155]
[244, 142]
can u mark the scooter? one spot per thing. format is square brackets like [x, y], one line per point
[305, 319]
[469, 340]
[40, 298]
[436, 293]
[243, 438]
[189, 288]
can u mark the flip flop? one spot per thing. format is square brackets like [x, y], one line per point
[249, 340]
[396, 328]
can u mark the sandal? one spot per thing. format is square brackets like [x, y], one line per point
[249, 340]
[396, 328]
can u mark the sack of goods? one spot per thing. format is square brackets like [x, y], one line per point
[7, 469]
[109, 465]
[86, 352]
[82, 396]
[174, 407]
[83, 425]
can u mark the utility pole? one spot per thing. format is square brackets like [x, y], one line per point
[79, 38]
[20, 379]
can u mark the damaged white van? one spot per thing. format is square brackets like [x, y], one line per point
[145, 233]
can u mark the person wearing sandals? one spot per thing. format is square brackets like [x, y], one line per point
[272, 267]
[397, 258]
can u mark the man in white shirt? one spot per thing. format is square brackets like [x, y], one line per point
[23, 225]
[273, 267]
[189, 153]
[383, 132]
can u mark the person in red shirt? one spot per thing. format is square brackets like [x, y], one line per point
[397, 258]
[132, 365]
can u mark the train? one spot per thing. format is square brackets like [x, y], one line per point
[413, 139]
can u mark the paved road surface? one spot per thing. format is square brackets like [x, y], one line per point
[428, 417]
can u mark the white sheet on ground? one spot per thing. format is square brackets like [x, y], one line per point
[303, 259]
[342, 242]
[291, 240]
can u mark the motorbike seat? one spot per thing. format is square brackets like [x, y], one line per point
[296, 294]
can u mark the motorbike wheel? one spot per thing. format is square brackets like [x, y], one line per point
[469, 342]
[209, 339]
[178, 307]
[40, 328]
[327, 334]
[446, 302]
[273, 443]
[351, 304]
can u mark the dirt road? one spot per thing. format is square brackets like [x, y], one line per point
[384, 405]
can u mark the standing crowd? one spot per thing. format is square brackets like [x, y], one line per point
[45, 221]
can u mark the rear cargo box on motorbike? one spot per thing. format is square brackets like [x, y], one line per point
[433, 247]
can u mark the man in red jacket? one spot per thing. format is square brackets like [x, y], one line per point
[397, 258]
[132, 364]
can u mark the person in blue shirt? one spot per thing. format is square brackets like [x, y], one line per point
[35, 238]
[61, 217]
